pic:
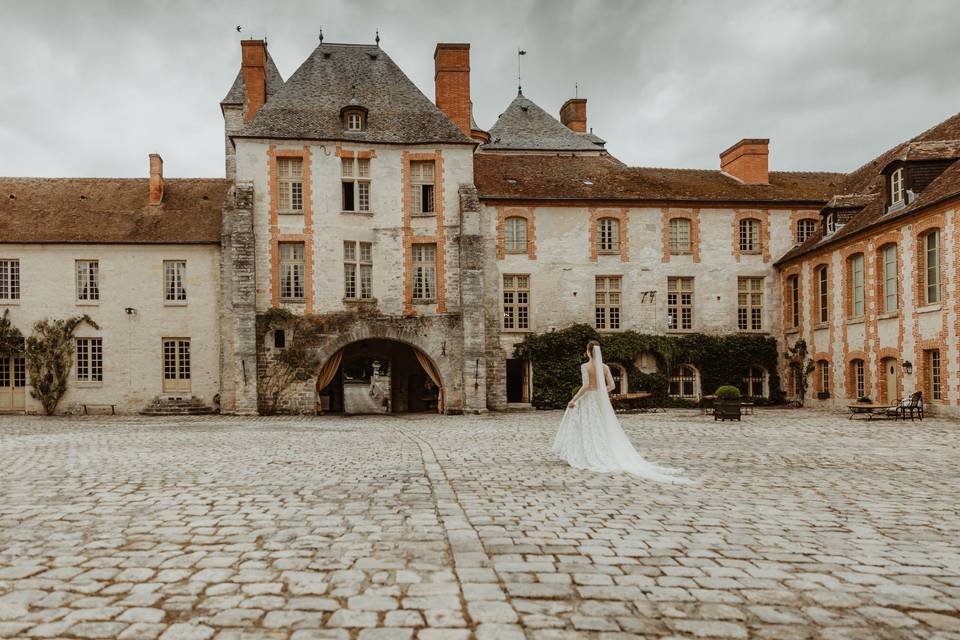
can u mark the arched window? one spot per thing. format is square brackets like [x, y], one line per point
[930, 254]
[855, 282]
[684, 382]
[749, 236]
[754, 382]
[619, 378]
[793, 283]
[823, 378]
[679, 236]
[858, 380]
[805, 229]
[608, 235]
[823, 294]
[889, 288]
[515, 235]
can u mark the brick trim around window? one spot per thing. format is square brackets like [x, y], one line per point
[693, 215]
[439, 237]
[516, 212]
[276, 237]
[623, 224]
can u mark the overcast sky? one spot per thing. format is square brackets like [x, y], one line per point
[90, 88]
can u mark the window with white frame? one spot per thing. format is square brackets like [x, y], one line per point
[683, 382]
[753, 382]
[891, 295]
[823, 294]
[516, 302]
[750, 304]
[175, 280]
[831, 223]
[354, 120]
[357, 270]
[794, 286]
[424, 272]
[749, 236]
[89, 359]
[896, 186]
[292, 271]
[679, 236]
[608, 235]
[515, 234]
[607, 316]
[805, 229]
[855, 270]
[176, 365]
[88, 280]
[823, 373]
[355, 184]
[9, 279]
[933, 374]
[422, 181]
[931, 267]
[680, 303]
[290, 185]
[858, 378]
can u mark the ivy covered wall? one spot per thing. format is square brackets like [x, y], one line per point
[721, 360]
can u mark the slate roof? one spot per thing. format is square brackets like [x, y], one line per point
[526, 127]
[237, 93]
[335, 76]
[110, 211]
[865, 186]
[543, 177]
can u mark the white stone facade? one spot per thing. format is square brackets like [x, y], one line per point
[130, 278]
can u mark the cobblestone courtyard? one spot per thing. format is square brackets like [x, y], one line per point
[801, 525]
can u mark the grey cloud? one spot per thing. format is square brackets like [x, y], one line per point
[91, 87]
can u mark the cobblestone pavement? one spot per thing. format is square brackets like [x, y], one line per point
[800, 525]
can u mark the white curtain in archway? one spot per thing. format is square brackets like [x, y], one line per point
[434, 376]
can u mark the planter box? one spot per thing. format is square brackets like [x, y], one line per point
[726, 410]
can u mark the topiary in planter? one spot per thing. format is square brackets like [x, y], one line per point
[727, 406]
[727, 393]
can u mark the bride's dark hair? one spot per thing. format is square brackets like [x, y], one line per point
[591, 345]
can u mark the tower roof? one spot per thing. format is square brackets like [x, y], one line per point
[335, 76]
[238, 93]
[526, 127]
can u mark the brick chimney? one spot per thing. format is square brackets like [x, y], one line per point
[452, 81]
[254, 68]
[156, 179]
[573, 114]
[747, 161]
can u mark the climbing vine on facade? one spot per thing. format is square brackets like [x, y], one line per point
[721, 360]
[49, 358]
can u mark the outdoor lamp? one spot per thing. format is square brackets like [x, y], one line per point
[907, 367]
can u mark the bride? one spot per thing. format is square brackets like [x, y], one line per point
[590, 436]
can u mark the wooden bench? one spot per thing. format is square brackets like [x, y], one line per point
[636, 402]
[86, 410]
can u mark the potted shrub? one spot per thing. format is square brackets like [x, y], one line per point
[727, 405]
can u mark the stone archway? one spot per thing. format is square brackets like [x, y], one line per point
[431, 337]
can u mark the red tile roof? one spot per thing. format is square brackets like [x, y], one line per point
[110, 210]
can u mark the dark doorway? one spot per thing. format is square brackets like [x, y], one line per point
[517, 381]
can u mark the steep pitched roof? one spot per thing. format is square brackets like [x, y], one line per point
[526, 127]
[543, 177]
[335, 76]
[238, 93]
[110, 210]
[864, 187]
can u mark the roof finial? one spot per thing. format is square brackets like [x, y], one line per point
[520, 52]
[321, 35]
[576, 89]
[377, 39]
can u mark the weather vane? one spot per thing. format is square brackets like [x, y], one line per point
[520, 52]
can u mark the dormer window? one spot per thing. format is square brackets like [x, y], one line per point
[831, 223]
[354, 119]
[896, 187]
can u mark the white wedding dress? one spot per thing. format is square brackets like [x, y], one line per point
[590, 436]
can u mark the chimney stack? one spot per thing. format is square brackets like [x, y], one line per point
[254, 68]
[573, 114]
[452, 82]
[747, 161]
[156, 179]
